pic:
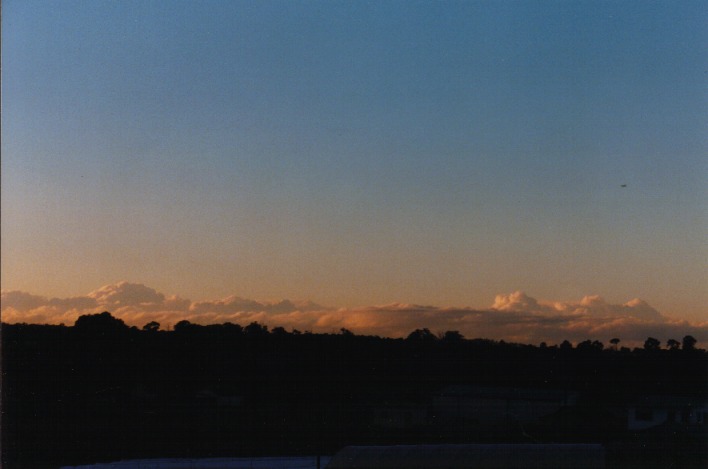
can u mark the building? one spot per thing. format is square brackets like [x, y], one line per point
[652, 411]
[497, 406]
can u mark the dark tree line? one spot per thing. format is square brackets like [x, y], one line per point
[101, 391]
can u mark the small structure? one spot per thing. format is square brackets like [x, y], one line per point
[652, 411]
[506, 456]
[497, 406]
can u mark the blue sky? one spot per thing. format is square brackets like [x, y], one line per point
[358, 153]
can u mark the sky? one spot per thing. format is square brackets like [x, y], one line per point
[355, 154]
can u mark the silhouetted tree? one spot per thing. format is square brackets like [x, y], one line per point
[233, 329]
[652, 344]
[346, 332]
[100, 325]
[184, 326]
[452, 336]
[565, 345]
[255, 329]
[421, 335]
[614, 341]
[672, 344]
[689, 343]
[590, 345]
[152, 326]
[279, 332]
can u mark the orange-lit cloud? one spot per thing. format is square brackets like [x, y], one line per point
[514, 317]
[593, 305]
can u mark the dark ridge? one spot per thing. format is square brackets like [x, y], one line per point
[103, 391]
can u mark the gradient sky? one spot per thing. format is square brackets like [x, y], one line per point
[358, 153]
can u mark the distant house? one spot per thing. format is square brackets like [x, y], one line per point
[497, 406]
[651, 411]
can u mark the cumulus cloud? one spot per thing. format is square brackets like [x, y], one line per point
[127, 294]
[593, 305]
[514, 317]
[518, 301]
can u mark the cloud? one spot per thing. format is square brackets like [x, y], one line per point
[593, 305]
[21, 301]
[20, 306]
[514, 317]
[126, 294]
[518, 301]
[235, 304]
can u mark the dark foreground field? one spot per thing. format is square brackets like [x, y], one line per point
[101, 391]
